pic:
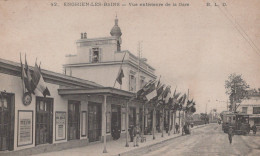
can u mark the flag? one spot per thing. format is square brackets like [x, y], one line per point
[29, 77]
[189, 103]
[120, 73]
[184, 99]
[151, 92]
[120, 76]
[160, 91]
[159, 83]
[38, 82]
[147, 88]
[23, 74]
[167, 94]
[180, 99]
[151, 95]
[177, 95]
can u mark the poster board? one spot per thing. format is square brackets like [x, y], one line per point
[108, 120]
[60, 125]
[84, 123]
[25, 128]
[123, 118]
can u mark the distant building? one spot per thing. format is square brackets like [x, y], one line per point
[251, 107]
[99, 60]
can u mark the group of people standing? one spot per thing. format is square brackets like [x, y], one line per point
[135, 133]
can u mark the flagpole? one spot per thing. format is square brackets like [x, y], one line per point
[120, 68]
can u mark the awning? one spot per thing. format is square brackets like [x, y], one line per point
[96, 91]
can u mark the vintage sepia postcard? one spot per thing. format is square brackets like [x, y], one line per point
[129, 77]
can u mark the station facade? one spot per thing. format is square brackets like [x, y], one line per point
[84, 106]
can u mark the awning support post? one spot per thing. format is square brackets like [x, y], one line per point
[105, 135]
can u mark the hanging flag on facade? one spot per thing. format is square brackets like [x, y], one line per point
[189, 103]
[23, 74]
[151, 93]
[120, 73]
[147, 89]
[38, 82]
[26, 76]
[120, 76]
[29, 77]
[167, 95]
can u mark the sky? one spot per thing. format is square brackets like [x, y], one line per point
[192, 47]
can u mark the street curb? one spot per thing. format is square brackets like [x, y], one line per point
[144, 149]
[149, 148]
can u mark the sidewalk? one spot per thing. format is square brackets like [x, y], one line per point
[114, 147]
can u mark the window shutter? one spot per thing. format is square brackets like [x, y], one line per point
[100, 55]
[90, 55]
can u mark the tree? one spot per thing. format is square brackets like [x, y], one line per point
[236, 88]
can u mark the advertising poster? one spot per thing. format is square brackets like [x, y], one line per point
[60, 120]
[25, 128]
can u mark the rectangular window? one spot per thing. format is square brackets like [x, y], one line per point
[256, 110]
[244, 110]
[95, 55]
[142, 83]
[132, 83]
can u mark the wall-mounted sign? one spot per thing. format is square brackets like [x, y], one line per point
[123, 122]
[84, 124]
[60, 126]
[25, 128]
[108, 120]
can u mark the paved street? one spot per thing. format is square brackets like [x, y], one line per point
[209, 140]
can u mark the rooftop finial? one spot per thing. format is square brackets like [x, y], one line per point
[116, 20]
[116, 31]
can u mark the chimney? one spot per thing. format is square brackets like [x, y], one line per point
[85, 35]
[81, 35]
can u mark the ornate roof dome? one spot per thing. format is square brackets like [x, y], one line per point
[116, 31]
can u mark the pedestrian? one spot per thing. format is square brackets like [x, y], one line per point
[131, 133]
[230, 134]
[254, 129]
[136, 132]
[177, 128]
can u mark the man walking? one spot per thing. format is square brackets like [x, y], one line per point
[254, 129]
[230, 134]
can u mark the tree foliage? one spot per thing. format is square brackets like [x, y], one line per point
[236, 88]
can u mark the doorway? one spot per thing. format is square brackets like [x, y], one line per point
[94, 121]
[44, 120]
[6, 121]
[115, 121]
[73, 120]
